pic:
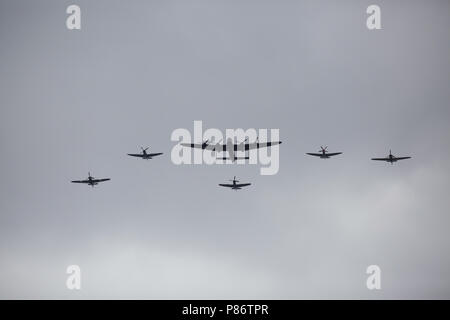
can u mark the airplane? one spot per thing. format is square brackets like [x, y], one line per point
[391, 158]
[234, 185]
[231, 147]
[324, 154]
[90, 180]
[144, 154]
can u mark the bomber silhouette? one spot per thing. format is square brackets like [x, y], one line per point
[232, 147]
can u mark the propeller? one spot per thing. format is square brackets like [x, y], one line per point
[144, 149]
[234, 179]
[205, 144]
[218, 142]
[245, 140]
[323, 149]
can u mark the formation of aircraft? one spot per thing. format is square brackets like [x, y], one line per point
[391, 158]
[90, 180]
[231, 148]
[234, 185]
[323, 153]
[144, 154]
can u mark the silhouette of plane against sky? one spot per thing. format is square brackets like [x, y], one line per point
[144, 154]
[391, 158]
[234, 185]
[90, 180]
[324, 154]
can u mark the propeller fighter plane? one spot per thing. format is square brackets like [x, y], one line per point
[234, 185]
[324, 154]
[91, 180]
[144, 155]
[391, 158]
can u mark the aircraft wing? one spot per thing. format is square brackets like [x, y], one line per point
[239, 185]
[315, 154]
[100, 180]
[136, 155]
[226, 185]
[80, 181]
[155, 154]
[381, 159]
[333, 154]
[402, 158]
[257, 145]
[234, 159]
[199, 146]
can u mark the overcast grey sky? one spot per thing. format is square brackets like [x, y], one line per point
[78, 101]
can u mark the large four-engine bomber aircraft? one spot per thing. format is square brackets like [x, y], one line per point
[323, 153]
[144, 154]
[234, 185]
[90, 180]
[391, 158]
[231, 147]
